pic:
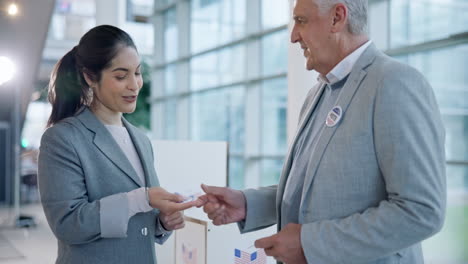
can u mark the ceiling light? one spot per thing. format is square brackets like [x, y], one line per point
[12, 9]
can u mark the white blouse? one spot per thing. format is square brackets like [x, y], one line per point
[137, 201]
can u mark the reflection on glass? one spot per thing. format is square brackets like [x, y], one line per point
[457, 179]
[271, 171]
[236, 173]
[216, 22]
[203, 71]
[274, 107]
[274, 13]
[274, 53]
[170, 35]
[456, 137]
[217, 68]
[446, 71]
[162, 3]
[170, 115]
[415, 21]
[231, 64]
[219, 115]
[170, 76]
[451, 244]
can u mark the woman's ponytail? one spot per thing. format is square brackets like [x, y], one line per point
[67, 94]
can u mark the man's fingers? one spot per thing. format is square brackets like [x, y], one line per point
[202, 200]
[211, 207]
[206, 198]
[213, 214]
[271, 252]
[266, 242]
[221, 191]
[220, 220]
[212, 198]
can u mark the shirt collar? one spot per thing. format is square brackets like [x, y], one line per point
[344, 67]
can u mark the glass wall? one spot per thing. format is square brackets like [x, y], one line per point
[216, 22]
[228, 83]
[419, 21]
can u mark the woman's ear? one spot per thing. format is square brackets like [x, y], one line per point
[89, 79]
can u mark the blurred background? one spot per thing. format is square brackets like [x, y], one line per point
[215, 70]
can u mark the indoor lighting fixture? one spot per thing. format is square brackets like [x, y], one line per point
[12, 9]
[7, 69]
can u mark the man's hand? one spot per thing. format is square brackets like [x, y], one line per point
[285, 246]
[169, 203]
[172, 221]
[223, 205]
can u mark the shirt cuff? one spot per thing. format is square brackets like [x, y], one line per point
[137, 202]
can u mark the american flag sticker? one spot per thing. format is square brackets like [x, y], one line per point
[189, 254]
[334, 116]
[246, 257]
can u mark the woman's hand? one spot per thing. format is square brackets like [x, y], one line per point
[172, 221]
[169, 203]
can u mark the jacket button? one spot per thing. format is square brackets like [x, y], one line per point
[144, 231]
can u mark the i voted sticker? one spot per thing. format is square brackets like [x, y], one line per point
[334, 116]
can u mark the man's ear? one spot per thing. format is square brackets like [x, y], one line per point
[339, 17]
[89, 79]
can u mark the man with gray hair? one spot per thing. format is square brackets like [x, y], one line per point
[364, 178]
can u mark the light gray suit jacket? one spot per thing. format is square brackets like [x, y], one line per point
[375, 185]
[79, 164]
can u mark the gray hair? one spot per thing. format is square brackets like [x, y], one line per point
[357, 13]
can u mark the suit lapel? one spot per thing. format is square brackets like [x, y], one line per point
[352, 85]
[145, 159]
[105, 142]
[289, 158]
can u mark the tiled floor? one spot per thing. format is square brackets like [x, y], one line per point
[35, 245]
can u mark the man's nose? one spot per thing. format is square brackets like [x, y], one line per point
[295, 36]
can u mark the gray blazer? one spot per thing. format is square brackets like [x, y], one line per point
[79, 164]
[375, 185]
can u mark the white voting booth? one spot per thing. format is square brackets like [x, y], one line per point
[181, 167]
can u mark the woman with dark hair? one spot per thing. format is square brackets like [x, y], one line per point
[97, 181]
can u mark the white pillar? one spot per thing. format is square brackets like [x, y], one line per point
[300, 81]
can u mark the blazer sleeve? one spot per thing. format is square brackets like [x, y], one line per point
[261, 209]
[409, 144]
[71, 216]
